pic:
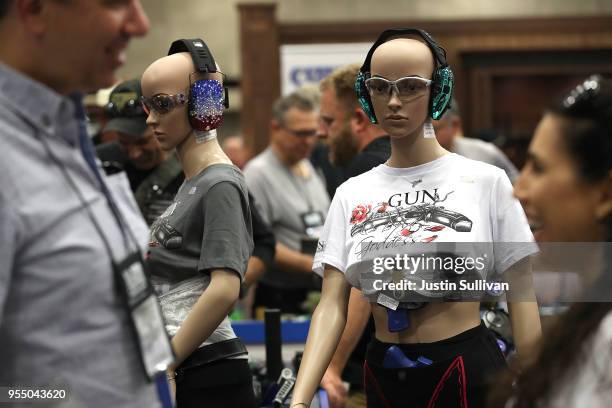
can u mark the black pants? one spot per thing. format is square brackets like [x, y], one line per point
[225, 383]
[459, 376]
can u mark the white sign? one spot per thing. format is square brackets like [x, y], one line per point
[307, 64]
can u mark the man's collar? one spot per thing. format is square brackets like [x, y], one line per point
[37, 104]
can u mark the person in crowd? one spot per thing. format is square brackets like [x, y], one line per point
[566, 190]
[201, 244]
[235, 149]
[449, 132]
[425, 352]
[63, 322]
[154, 176]
[355, 145]
[292, 200]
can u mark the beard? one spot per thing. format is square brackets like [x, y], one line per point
[342, 148]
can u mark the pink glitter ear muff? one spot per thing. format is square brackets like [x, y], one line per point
[207, 96]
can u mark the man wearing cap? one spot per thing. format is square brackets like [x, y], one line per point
[154, 176]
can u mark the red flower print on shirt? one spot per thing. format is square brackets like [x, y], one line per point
[360, 213]
[382, 208]
[436, 228]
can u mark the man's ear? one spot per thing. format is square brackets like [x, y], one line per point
[455, 122]
[358, 121]
[603, 209]
[33, 14]
[274, 125]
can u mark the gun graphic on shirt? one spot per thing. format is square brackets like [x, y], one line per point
[416, 213]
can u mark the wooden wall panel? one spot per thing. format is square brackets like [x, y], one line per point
[477, 81]
[260, 65]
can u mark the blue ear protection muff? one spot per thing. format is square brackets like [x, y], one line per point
[207, 97]
[442, 78]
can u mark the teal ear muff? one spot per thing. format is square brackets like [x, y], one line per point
[441, 92]
[442, 79]
[363, 97]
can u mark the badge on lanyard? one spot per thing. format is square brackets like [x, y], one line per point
[313, 223]
[145, 314]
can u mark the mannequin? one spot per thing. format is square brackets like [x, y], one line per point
[415, 156]
[199, 247]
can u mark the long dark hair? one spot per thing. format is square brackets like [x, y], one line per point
[588, 137]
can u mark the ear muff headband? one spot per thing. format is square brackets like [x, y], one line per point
[206, 98]
[442, 78]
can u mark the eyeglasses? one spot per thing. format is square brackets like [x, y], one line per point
[405, 88]
[162, 103]
[124, 105]
[302, 133]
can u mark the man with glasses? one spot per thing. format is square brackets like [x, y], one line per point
[293, 202]
[154, 176]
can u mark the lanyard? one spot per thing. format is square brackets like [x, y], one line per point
[296, 185]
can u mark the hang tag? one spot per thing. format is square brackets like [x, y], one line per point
[145, 314]
[387, 301]
[428, 131]
[154, 343]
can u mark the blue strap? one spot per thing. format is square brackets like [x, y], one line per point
[163, 390]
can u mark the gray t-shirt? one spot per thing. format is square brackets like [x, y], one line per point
[282, 199]
[208, 226]
[480, 150]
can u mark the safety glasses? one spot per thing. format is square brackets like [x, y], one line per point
[124, 106]
[406, 88]
[162, 103]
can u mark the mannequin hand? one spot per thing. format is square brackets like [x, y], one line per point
[336, 391]
[171, 376]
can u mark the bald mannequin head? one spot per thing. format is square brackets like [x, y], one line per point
[395, 59]
[170, 76]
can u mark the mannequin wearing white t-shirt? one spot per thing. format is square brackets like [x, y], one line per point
[404, 122]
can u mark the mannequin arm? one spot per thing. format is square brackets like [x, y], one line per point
[326, 327]
[292, 260]
[524, 313]
[206, 315]
[357, 319]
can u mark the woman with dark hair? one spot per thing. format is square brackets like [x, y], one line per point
[566, 190]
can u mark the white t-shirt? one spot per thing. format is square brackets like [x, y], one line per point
[449, 200]
[588, 384]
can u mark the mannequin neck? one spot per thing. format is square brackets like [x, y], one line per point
[195, 157]
[414, 149]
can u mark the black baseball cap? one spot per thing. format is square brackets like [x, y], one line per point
[125, 110]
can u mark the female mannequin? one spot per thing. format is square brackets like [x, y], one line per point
[201, 245]
[462, 353]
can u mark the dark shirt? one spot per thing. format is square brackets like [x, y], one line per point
[207, 227]
[334, 176]
[375, 153]
[264, 240]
